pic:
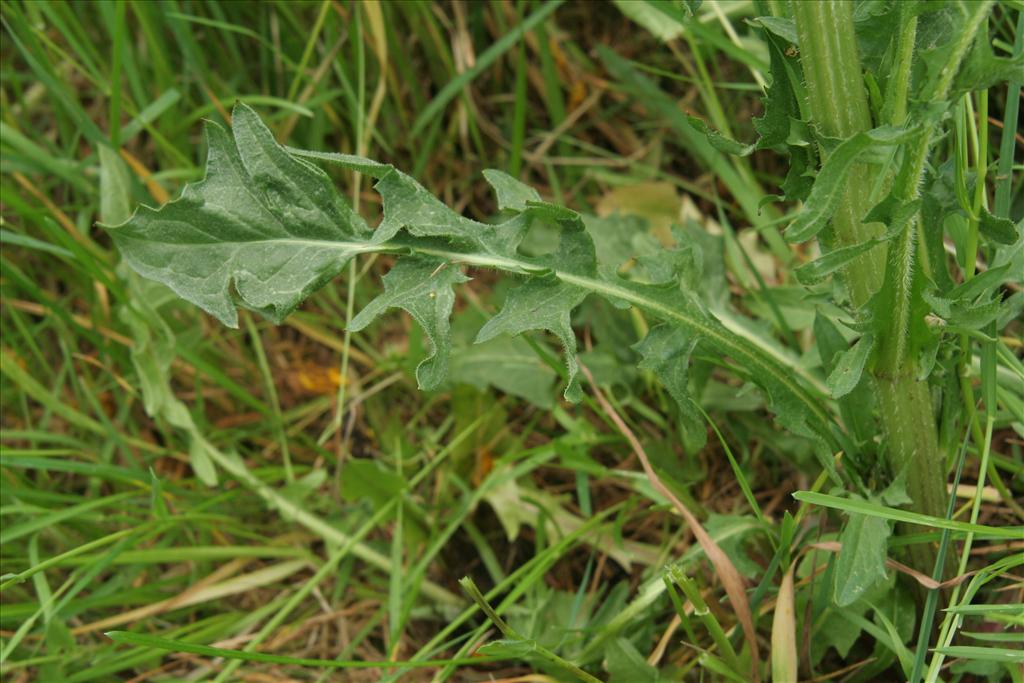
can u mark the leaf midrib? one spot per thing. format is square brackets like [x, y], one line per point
[610, 290]
[734, 346]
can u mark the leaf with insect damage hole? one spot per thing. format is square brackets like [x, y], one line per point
[262, 222]
[423, 288]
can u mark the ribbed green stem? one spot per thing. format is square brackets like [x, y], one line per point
[906, 406]
[839, 106]
[894, 111]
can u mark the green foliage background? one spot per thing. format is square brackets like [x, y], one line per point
[285, 492]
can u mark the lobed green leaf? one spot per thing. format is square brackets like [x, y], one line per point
[423, 287]
[265, 228]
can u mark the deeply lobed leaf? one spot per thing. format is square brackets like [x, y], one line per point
[265, 228]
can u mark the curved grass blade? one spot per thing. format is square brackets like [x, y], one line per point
[128, 638]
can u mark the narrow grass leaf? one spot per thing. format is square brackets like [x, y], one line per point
[784, 636]
[483, 61]
[128, 638]
[896, 515]
[52, 519]
[24, 241]
[730, 577]
[200, 593]
[985, 654]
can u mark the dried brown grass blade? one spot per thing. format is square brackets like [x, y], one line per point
[923, 579]
[156, 191]
[212, 587]
[727, 573]
[784, 657]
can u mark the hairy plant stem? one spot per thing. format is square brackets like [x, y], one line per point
[839, 107]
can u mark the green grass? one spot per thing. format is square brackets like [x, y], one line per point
[182, 501]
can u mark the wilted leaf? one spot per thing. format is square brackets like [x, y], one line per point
[153, 348]
[152, 354]
[784, 636]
